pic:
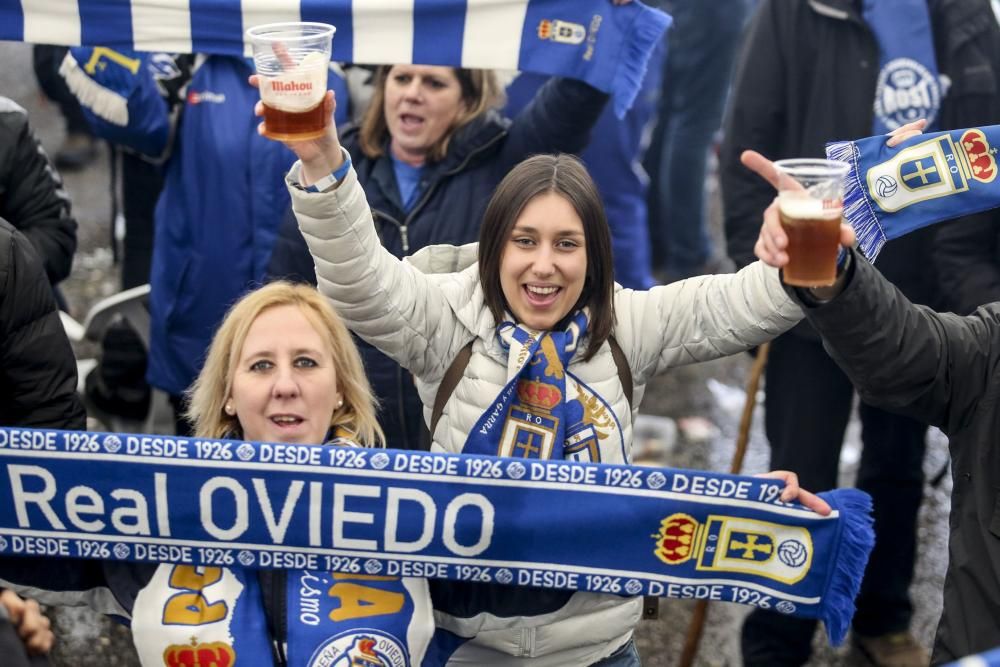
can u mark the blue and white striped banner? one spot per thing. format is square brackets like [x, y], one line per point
[625, 530]
[592, 40]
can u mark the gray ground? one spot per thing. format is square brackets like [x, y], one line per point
[712, 391]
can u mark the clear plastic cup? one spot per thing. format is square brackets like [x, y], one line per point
[293, 62]
[811, 204]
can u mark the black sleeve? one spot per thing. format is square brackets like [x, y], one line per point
[755, 120]
[967, 255]
[37, 366]
[34, 200]
[934, 367]
[558, 119]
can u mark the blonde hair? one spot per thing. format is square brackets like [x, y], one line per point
[209, 393]
[481, 92]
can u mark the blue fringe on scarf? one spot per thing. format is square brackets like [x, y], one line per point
[855, 545]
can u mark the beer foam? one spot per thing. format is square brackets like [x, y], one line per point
[806, 208]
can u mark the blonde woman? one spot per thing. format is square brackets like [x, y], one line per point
[281, 368]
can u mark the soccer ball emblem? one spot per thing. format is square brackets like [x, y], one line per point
[885, 186]
[792, 553]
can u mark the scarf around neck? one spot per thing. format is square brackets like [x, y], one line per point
[544, 411]
[908, 87]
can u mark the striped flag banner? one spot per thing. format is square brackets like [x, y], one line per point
[592, 40]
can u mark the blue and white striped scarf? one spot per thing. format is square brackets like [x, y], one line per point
[592, 40]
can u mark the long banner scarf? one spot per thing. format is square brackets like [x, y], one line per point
[932, 177]
[625, 530]
[543, 412]
[908, 86]
[592, 40]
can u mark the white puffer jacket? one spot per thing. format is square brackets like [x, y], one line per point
[424, 310]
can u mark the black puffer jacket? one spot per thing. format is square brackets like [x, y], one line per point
[808, 76]
[31, 193]
[37, 367]
[943, 369]
[449, 210]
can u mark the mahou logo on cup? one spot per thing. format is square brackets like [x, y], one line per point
[292, 60]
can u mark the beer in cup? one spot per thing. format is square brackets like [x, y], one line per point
[811, 205]
[293, 61]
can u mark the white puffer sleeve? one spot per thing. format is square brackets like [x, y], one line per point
[702, 318]
[387, 302]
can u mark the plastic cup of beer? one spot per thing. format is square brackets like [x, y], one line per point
[292, 60]
[811, 205]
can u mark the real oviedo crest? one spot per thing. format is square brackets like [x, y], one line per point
[735, 544]
[361, 648]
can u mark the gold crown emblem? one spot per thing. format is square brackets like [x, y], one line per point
[675, 541]
[213, 654]
[980, 155]
[538, 395]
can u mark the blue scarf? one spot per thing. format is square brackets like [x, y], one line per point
[929, 178]
[528, 417]
[592, 40]
[625, 530]
[908, 86]
[190, 615]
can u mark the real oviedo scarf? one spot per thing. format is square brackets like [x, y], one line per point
[345, 521]
[544, 412]
[889, 192]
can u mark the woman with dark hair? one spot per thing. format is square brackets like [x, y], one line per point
[429, 151]
[525, 347]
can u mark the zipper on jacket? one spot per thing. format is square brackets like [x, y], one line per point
[526, 643]
[404, 235]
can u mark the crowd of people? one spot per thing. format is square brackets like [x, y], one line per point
[387, 281]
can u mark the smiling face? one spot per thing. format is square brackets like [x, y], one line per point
[544, 263]
[421, 105]
[284, 385]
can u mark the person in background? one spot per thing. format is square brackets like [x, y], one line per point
[967, 258]
[811, 73]
[37, 366]
[429, 152]
[32, 198]
[936, 367]
[696, 72]
[218, 214]
[79, 147]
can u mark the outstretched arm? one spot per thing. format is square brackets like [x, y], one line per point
[389, 303]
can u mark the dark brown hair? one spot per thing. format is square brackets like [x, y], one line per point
[480, 92]
[565, 176]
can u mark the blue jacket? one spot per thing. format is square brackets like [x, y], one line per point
[223, 196]
[453, 194]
